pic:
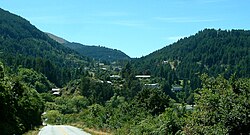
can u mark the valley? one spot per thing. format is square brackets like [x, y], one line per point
[197, 85]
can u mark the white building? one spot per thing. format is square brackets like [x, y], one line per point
[153, 85]
[142, 76]
[176, 88]
[56, 91]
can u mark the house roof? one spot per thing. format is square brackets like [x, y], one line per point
[142, 76]
[55, 89]
[56, 93]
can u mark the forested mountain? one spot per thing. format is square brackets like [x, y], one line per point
[23, 44]
[209, 51]
[96, 52]
[112, 97]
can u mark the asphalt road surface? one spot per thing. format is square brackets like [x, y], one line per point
[61, 130]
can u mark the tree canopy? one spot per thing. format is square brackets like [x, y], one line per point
[21, 106]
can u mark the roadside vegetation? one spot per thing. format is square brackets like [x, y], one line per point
[21, 105]
[220, 106]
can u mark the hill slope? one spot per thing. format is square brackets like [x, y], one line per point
[56, 38]
[23, 44]
[96, 52]
[209, 51]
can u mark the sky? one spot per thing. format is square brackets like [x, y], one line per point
[136, 27]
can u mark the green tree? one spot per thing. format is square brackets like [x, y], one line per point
[1, 71]
[96, 91]
[79, 103]
[53, 117]
[21, 106]
[222, 107]
[154, 100]
[35, 80]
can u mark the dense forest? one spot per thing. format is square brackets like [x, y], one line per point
[23, 44]
[209, 51]
[98, 52]
[221, 107]
[210, 70]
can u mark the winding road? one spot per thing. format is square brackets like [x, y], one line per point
[61, 130]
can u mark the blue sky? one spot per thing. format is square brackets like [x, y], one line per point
[137, 27]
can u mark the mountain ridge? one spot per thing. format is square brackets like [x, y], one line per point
[21, 43]
[56, 38]
[125, 104]
[92, 51]
[209, 51]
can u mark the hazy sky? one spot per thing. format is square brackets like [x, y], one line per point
[137, 27]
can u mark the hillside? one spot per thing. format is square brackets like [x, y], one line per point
[96, 52]
[56, 38]
[21, 43]
[209, 51]
[112, 97]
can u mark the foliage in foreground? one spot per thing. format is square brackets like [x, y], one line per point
[221, 107]
[21, 106]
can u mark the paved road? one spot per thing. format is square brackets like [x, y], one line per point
[61, 130]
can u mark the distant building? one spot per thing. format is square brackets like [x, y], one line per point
[104, 68]
[176, 88]
[142, 76]
[56, 91]
[101, 64]
[115, 76]
[101, 81]
[165, 62]
[153, 85]
[86, 68]
[190, 107]
[109, 82]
